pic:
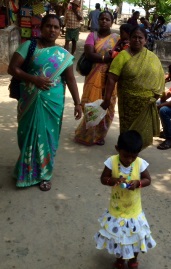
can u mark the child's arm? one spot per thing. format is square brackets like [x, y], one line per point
[143, 182]
[107, 179]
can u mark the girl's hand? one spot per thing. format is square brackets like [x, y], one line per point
[42, 83]
[78, 112]
[118, 181]
[134, 184]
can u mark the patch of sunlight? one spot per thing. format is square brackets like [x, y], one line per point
[62, 196]
[162, 186]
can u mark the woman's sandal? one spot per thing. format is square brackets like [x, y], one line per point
[132, 265]
[45, 185]
[165, 145]
[100, 142]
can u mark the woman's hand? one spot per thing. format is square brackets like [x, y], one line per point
[78, 112]
[42, 83]
[105, 104]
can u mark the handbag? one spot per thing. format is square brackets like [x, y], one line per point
[36, 20]
[36, 31]
[38, 9]
[26, 11]
[14, 86]
[25, 22]
[2, 21]
[26, 32]
[84, 65]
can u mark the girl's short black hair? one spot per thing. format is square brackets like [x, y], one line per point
[47, 17]
[126, 27]
[108, 12]
[130, 141]
[137, 28]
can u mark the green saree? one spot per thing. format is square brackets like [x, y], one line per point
[141, 79]
[40, 117]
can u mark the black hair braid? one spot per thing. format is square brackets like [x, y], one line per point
[30, 53]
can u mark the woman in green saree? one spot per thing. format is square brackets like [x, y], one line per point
[140, 78]
[41, 104]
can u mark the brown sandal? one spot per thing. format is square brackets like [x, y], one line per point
[132, 265]
[100, 142]
[45, 185]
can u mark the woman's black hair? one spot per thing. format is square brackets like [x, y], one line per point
[137, 28]
[126, 27]
[47, 17]
[108, 12]
[130, 141]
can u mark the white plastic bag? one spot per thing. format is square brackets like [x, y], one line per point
[94, 113]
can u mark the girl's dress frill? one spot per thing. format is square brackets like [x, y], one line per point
[124, 237]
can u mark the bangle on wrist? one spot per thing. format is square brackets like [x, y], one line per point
[140, 186]
[77, 104]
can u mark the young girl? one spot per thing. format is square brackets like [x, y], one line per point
[125, 231]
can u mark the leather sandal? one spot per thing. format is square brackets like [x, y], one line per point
[165, 145]
[45, 185]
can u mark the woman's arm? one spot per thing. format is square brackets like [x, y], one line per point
[72, 86]
[110, 84]
[96, 57]
[15, 69]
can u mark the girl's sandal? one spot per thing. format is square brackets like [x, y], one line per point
[118, 265]
[45, 185]
[132, 265]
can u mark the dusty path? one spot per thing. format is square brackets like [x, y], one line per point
[54, 230]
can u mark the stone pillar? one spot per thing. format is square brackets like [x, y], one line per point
[9, 42]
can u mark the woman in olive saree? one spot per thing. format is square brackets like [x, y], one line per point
[97, 48]
[41, 104]
[140, 78]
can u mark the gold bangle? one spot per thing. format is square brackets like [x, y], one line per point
[103, 58]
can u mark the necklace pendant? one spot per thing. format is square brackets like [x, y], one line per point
[129, 178]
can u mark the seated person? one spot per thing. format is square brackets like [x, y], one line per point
[164, 107]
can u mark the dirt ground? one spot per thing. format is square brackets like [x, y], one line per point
[55, 229]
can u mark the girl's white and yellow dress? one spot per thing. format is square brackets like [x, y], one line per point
[124, 228]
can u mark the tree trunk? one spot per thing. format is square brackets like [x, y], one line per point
[120, 8]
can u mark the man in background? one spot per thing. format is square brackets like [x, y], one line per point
[93, 24]
[73, 16]
[134, 19]
[115, 16]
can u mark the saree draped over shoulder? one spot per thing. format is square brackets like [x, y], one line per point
[40, 117]
[93, 90]
[141, 79]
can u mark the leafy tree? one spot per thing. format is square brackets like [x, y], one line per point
[160, 6]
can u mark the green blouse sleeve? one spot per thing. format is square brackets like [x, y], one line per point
[118, 62]
[23, 49]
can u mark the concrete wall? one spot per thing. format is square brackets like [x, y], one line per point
[162, 48]
[9, 42]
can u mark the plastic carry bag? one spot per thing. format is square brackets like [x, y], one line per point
[94, 113]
